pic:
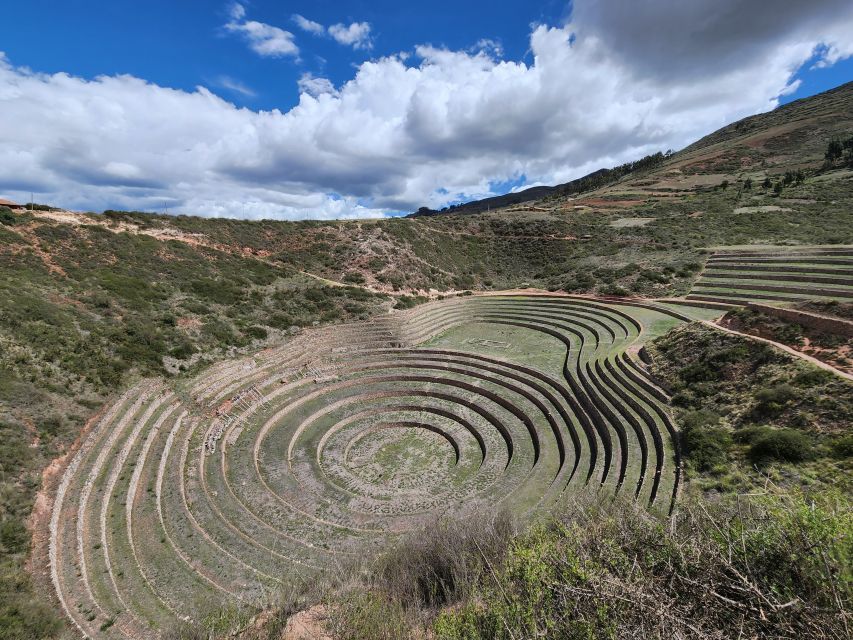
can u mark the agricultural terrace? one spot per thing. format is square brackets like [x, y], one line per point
[776, 275]
[190, 495]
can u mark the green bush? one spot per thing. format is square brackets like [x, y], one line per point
[257, 333]
[813, 378]
[14, 537]
[772, 401]
[408, 302]
[7, 217]
[786, 445]
[706, 447]
[843, 447]
[748, 435]
[703, 418]
[281, 321]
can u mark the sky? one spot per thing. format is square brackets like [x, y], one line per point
[357, 108]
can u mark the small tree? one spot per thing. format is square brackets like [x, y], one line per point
[848, 152]
[833, 152]
[777, 188]
[747, 184]
[767, 183]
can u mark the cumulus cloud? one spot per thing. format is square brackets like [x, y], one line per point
[670, 40]
[264, 39]
[355, 35]
[428, 129]
[488, 45]
[315, 86]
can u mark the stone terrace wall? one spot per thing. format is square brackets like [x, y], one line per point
[835, 326]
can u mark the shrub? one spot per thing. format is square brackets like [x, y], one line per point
[281, 321]
[748, 435]
[787, 445]
[614, 290]
[219, 291]
[14, 537]
[706, 447]
[408, 302]
[813, 378]
[699, 419]
[7, 217]
[354, 277]
[714, 571]
[843, 447]
[257, 333]
[771, 401]
[438, 566]
[183, 350]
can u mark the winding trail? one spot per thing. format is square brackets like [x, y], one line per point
[790, 350]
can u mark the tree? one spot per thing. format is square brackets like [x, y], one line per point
[777, 188]
[747, 184]
[767, 183]
[833, 152]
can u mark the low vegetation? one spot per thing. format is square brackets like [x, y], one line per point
[770, 565]
[829, 347]
[743, 405]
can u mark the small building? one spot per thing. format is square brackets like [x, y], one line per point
[11, 205]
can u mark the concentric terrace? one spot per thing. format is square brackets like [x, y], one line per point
[269, 468]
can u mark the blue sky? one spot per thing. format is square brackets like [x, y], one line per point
[183, 44]
[381, 107]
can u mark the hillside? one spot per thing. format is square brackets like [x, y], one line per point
[198, 414]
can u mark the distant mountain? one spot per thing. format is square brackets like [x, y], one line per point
[589, 182]
[497, 202]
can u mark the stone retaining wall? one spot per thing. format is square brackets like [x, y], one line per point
[835, 326]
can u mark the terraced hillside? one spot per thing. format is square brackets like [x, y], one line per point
[776, 274]
[191, 495]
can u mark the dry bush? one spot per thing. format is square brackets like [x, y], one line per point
[439, 564]
[773, 566]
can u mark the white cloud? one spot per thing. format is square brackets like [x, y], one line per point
[237, 11]
[235, 86]
[264, 39]
[309, 25]
[355, 35]
[489, 46]
[315, 86]
[436, 127]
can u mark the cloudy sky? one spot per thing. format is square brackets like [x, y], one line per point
[348, 108]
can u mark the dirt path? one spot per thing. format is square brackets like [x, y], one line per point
[492, 235]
